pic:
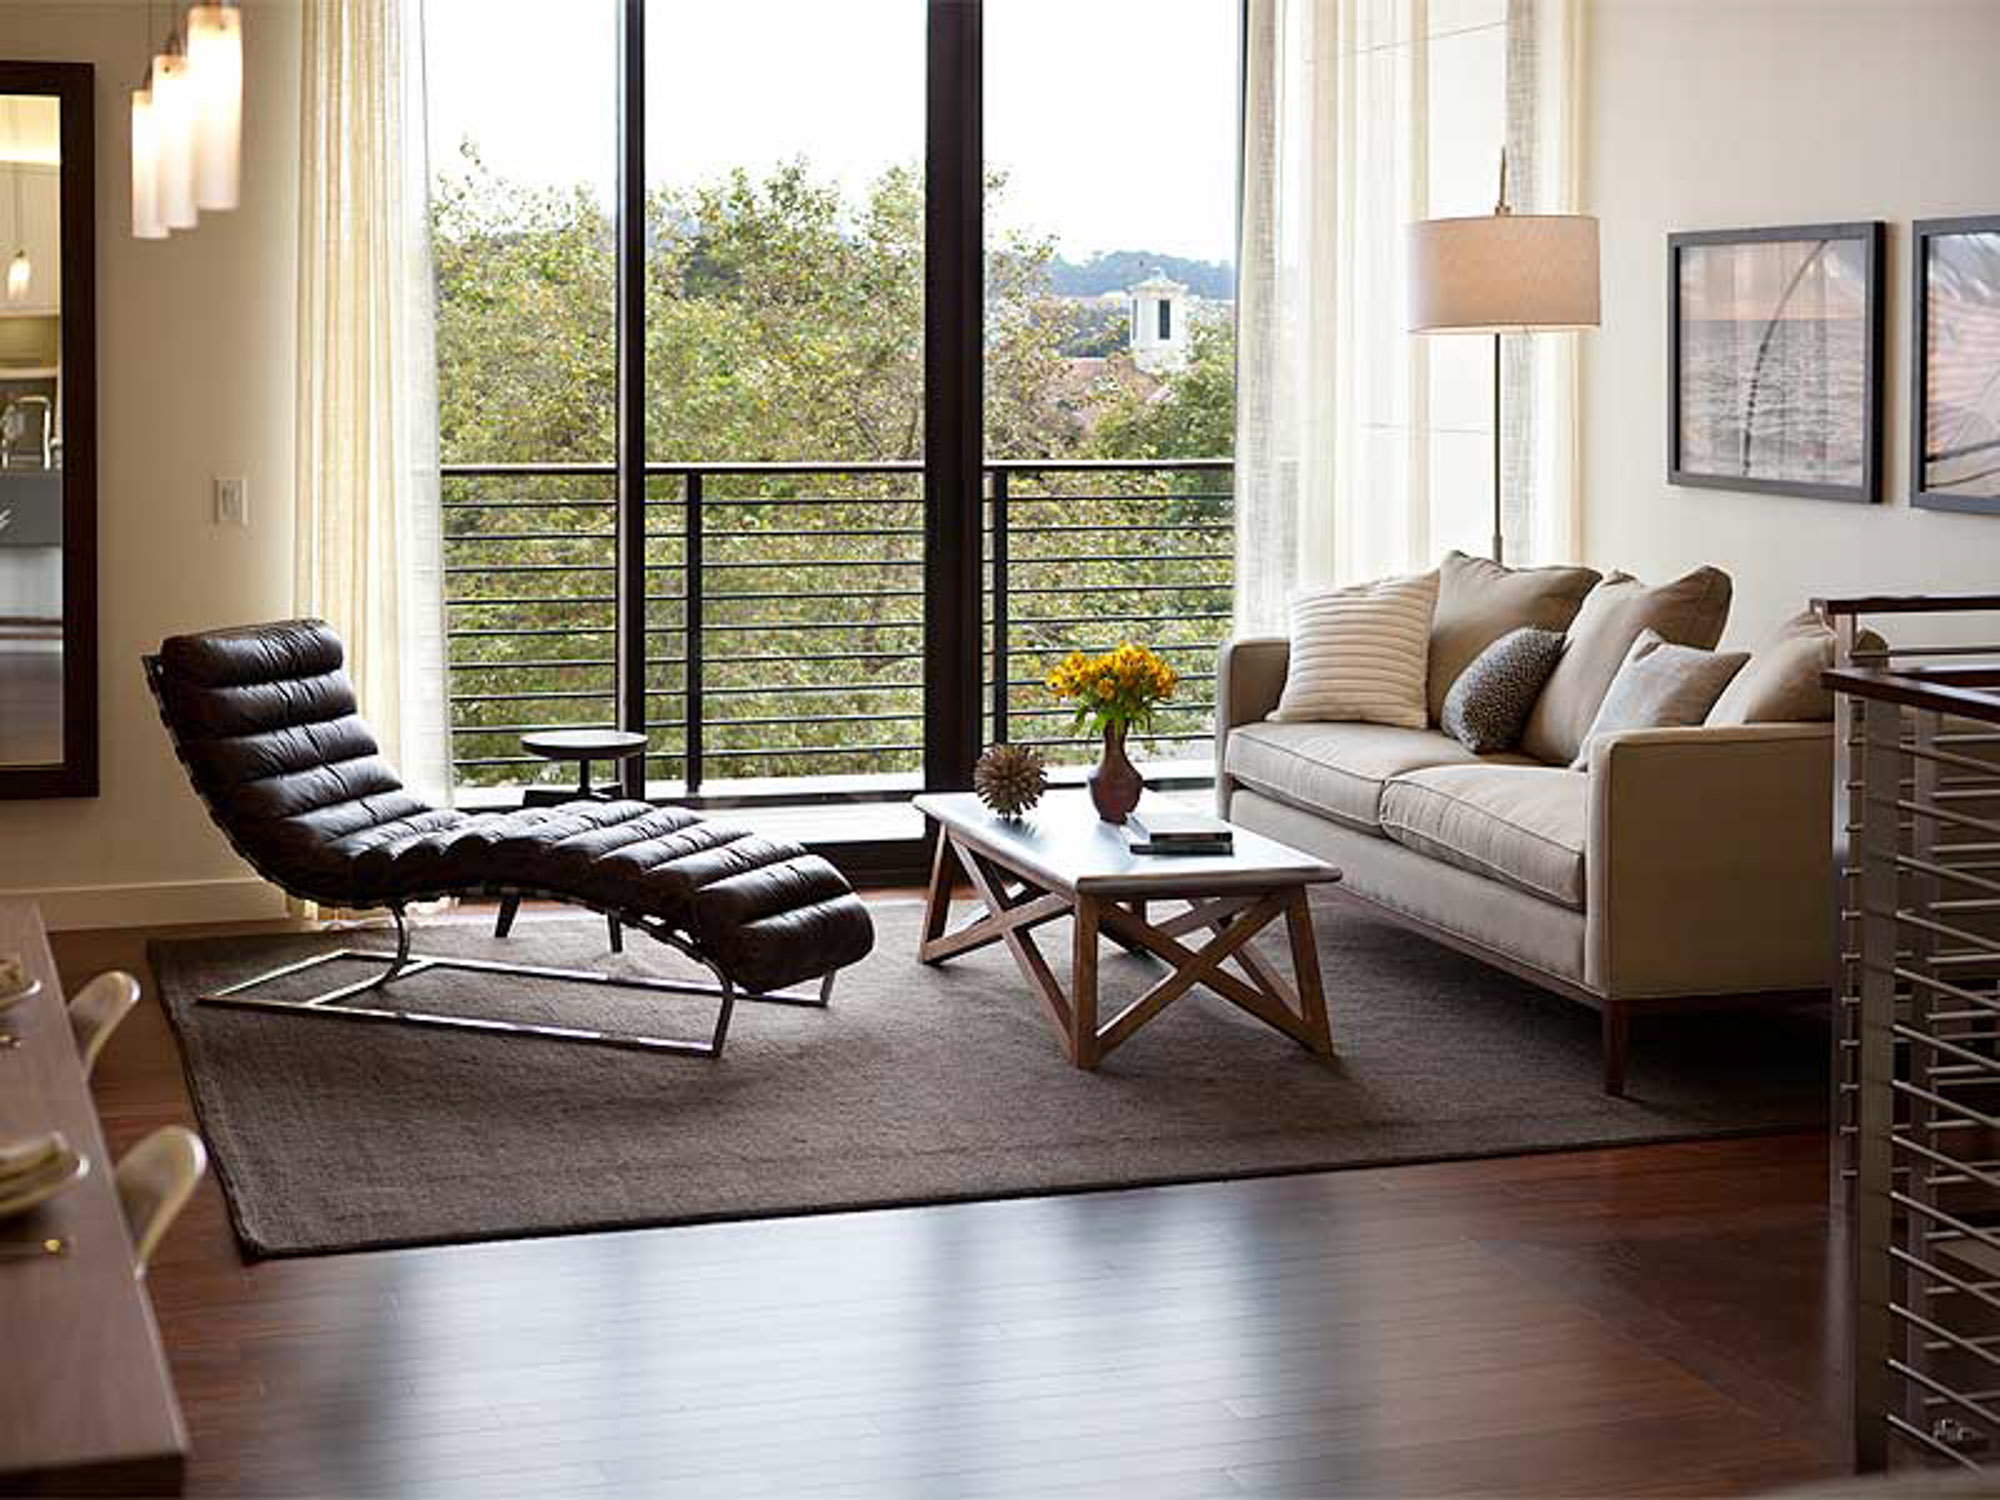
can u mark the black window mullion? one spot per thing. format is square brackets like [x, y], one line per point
[954, 417]
[631, 359]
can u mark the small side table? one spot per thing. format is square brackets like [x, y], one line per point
[582, 746]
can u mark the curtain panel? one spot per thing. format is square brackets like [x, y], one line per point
[369, 549]
[1363, 450]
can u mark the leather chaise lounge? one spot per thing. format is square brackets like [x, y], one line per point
[264, 719]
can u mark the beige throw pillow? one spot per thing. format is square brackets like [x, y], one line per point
[1690, 611]
[1781, 685]
[1358, 653]
[1479, 601]
[1660, 686]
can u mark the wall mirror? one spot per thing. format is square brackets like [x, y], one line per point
[48, 432]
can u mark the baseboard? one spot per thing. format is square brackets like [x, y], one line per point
[164, 904]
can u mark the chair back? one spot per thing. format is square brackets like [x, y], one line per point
[97, 1008]
[155, 1180]
[265, 720]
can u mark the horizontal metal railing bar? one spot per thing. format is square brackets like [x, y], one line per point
[791, 533]
[462, 538]
[790, 656]
[765, 596]
[1974, 943]
[484, 729]
[665, 466]
[1924, 1440]
[1957, 1106]
[540, 695]
[549, 665]
[1162, 647]
[1118, 528]
[709, 565]
[1962, 1399]
[1919, 1037]
[1032, 559]
[1077, 497]
[1942, 1336]
[1954, 1229]
[742, 626]
[1167, 707]
[1019, 621]
[453, 570]
[791, 721]
[519, 504]
[524, 632]
[1151, 739]
[775, 752]
[796, 689]
[489, 603]
[1929, 1153]
[1052, 591]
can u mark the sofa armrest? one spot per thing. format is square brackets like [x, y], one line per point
[1708, 861]
[1249, 679]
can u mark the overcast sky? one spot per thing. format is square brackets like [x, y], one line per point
[1115, 119]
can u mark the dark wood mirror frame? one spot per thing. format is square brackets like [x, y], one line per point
[73, 85]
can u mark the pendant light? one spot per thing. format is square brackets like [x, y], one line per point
[215, 61]
[146, 221]
[20, 272]
[174, 119]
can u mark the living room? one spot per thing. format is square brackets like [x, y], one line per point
[1123, 747]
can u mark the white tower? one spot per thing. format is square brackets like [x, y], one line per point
[1158, 309]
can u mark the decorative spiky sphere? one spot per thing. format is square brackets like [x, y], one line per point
[1010, 779]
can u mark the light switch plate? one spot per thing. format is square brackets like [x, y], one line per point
[232, 502]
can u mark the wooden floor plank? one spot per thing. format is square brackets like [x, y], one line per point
[1650, 1320]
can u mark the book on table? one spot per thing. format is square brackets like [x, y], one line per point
[1173, 831]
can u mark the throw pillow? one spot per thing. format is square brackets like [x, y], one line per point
[1488, 705]
[1690, 611]
[1358, 653]
[1661, 686]
[1781, 685]
[1479, 601]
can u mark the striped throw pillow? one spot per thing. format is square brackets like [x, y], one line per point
[1359, 653]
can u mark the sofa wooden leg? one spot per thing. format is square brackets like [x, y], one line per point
[1617, 1047]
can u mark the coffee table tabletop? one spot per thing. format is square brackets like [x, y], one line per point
[1066, 847]
[1061, 862]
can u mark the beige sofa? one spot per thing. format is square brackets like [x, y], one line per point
[1685, 867]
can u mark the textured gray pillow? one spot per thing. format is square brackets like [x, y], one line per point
[1489, 704]
[1661, 686]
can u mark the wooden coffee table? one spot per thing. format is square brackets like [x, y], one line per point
[1061, 860]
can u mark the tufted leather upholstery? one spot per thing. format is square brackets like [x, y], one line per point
[265, 720]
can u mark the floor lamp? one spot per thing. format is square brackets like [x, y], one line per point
[1503, 273]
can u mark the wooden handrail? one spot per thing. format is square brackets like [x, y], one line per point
[1967, 692]
[1907, 604]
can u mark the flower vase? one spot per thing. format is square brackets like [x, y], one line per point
[1115, 785]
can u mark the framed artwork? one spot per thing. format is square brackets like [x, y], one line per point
[1774, 360]
[1955, 364]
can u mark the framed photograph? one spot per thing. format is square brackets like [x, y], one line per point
[1955, 364]
[1774, 360]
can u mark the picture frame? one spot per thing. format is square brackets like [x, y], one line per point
[1775, 360]
[1955, 364]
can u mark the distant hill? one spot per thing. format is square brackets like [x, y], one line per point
[1118, 269]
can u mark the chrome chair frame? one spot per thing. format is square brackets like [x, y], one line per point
[404, 964]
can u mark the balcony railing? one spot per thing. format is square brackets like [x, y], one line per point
[784, 612]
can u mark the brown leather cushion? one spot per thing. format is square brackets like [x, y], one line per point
[265, 720]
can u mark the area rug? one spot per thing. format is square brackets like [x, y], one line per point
[917, 1086]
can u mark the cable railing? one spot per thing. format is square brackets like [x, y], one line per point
[783, 611]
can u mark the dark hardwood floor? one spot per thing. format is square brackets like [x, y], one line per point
[1653, 1320]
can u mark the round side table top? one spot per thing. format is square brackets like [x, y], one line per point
[584, 744]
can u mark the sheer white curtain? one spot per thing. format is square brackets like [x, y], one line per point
[369, 529]
[1362, 450]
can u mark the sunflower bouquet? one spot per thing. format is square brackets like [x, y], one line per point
[1116, 690]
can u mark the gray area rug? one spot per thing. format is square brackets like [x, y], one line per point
[918, 1086]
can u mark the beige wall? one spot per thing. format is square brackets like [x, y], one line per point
[1715, 114]
[194, 380]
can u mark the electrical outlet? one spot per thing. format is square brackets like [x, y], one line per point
[232, 502]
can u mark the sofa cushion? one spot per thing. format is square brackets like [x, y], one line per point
[1781, 685]
[1690, 611]
[1336, 770]
[1523, 825]
[1479, 601]
[1661, 686]
[1358, 653]
[1491, 701]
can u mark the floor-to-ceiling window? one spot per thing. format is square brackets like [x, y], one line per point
[772, 502]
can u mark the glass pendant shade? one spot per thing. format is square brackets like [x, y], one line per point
[146, 221]
[20, 273]
[215, 67]
[174, 119]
